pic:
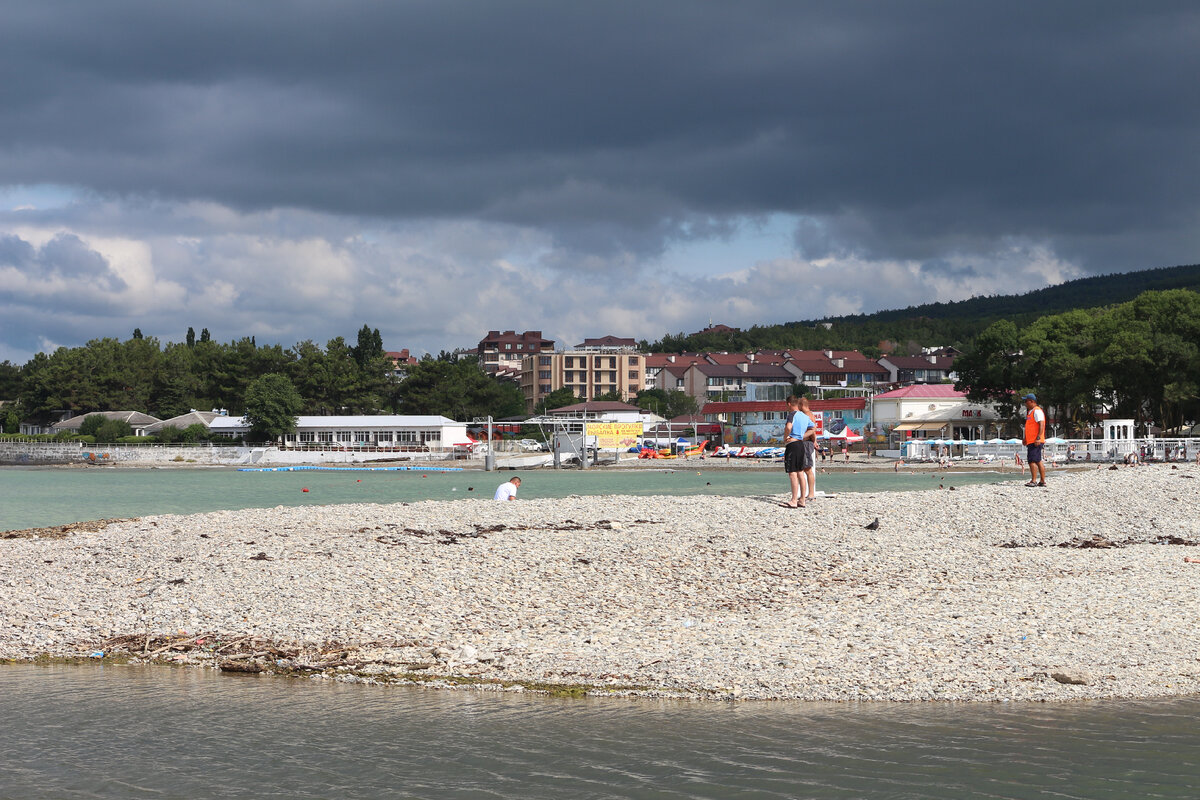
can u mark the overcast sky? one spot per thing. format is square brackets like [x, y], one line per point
[292, 170]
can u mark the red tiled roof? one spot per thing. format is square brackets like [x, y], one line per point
[744, 406]
[399, 356]
[726, 359]
[911, 362]
[936, 390]
[821, 364]
[752, 371]
[663, 359]
[594, 406]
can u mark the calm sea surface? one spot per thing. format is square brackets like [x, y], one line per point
[34, 497]
[143, 732]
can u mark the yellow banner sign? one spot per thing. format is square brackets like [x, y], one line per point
[615, 434]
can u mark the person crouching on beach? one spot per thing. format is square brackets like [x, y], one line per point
[1035, 438]
[794, 462]
[508, 491]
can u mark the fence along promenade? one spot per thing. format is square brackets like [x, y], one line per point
[1060, 450]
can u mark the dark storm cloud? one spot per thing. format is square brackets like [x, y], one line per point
[906, 129]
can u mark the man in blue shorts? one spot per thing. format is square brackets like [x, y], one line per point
[796, 458]
[1035, 438]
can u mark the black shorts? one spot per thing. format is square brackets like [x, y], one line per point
[1033, 453]
[797, 457]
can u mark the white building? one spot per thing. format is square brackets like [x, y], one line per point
[377, 430]
[930, 411]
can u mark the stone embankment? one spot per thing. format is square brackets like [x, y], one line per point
[32, 453]
[996, 592]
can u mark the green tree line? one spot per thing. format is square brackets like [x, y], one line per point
[1139, 360]
[142, 374]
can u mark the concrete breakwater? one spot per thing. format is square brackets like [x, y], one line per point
[989, 592]
[30, 453]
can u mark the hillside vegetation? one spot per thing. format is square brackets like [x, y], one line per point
[955, 323]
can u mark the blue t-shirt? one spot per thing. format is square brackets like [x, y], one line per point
[800, 425]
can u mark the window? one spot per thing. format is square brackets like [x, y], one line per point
[544, 361]
[344, 436]
[544, 388]
[679, 383]
[569, 377]
[431, 437]
[508, 346]
[633, 361]
[544, 374]
[324, 436]
[520, 346]
[383, 436]
[362, 436]
[714, 381]
[633, 374]
[612, 377]
[307, 436]
[406, 437]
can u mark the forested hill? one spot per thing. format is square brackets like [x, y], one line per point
[935, 324]
[1100, 290]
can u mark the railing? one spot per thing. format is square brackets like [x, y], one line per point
[1063, 451]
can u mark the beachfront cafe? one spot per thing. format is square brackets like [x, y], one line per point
[376, 432]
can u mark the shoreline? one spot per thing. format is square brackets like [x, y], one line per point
[986, 596]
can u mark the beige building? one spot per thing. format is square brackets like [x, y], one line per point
[587, 373]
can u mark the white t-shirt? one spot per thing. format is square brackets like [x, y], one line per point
[506, 491]
[1038, 415]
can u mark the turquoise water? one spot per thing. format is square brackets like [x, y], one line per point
[39, 496]
[119, 733]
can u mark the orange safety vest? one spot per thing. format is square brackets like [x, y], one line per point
[1032, 434]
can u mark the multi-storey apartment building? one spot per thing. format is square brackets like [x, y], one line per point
[509, 347]
[589, 370]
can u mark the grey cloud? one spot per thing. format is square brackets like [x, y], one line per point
[607, 124]
[297, 169]
[65, 257]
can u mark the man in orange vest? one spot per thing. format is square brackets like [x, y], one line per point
[1035, 437]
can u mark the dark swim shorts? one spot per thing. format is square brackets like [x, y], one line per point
[794, 457]
[1034, 453]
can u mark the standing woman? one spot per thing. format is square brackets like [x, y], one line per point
[793, 452]
[810, 446]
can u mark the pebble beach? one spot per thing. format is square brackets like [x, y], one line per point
[983, 593]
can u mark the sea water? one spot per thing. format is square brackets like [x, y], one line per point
[118, 732]
[41, 496]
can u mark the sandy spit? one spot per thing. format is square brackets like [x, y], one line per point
[986, 593]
